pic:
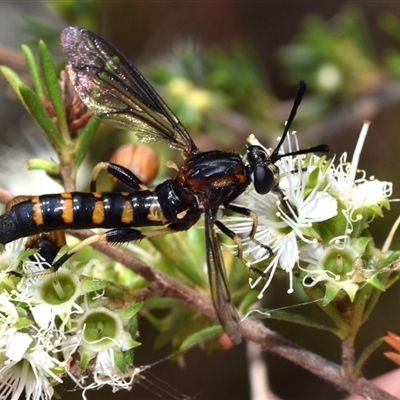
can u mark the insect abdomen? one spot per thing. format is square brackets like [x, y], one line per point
[77, 210]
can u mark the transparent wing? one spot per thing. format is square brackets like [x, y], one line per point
[225, 309]
[114, 89]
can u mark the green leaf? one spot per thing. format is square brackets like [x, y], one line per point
[296, 319]
[361, 243]
[391, 259]
[366, 353]
[86, 356]
[41, 116]
[33, 70]
[23, 323]
[313, 179]
[130, 311]
[316, 293]
[377, 283]
[25, 254]
[200, 336]
[128, 357]
[119, 360]
[374, 209]
[311, 233]
[249, 299]
[49, 166]
[51, 80]
[91, 285]
[13, 80]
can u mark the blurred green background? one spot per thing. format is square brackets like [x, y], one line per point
[229, 69]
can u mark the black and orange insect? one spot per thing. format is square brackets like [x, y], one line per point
[114, 89]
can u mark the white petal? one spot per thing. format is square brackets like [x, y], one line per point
[320, 207]
[18, 345]
[290, 253]
[42, 315]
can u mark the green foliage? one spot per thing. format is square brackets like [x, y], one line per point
[203, 86]
[337, 56]
[48, 103]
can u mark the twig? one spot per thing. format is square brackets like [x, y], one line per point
[164, 285]
[253, 330]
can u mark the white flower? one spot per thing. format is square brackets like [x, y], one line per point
[287, 217]
[358, 193]
[53, 296]
[28, 370]
[46, 321]
[10, 257]
[8, 316]
[292, 222]
[100, 338]
[106, 373]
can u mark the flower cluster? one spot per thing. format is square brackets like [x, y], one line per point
[61, 324]
[315, 223]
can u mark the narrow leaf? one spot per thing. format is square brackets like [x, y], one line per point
[13, 80]
[53, 88]
[130, 311]
[41, 116]
[33, 69]
[364, 357]
[49, 166]
[298, 319]
[200, 336]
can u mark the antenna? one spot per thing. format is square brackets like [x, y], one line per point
[321, 148]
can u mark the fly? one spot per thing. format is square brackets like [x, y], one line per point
[115, 90]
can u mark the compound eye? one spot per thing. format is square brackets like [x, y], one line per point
[263, 179]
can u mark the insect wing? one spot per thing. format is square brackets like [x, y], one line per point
[225, 309]
[114, 89]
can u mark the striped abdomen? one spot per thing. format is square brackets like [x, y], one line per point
[77, 210]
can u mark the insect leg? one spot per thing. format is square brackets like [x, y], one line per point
[119, 235]
[235, 237]
[251, 214]
[124, 175]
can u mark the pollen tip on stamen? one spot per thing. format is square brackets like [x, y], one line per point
[290, 291]
[260, 296]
